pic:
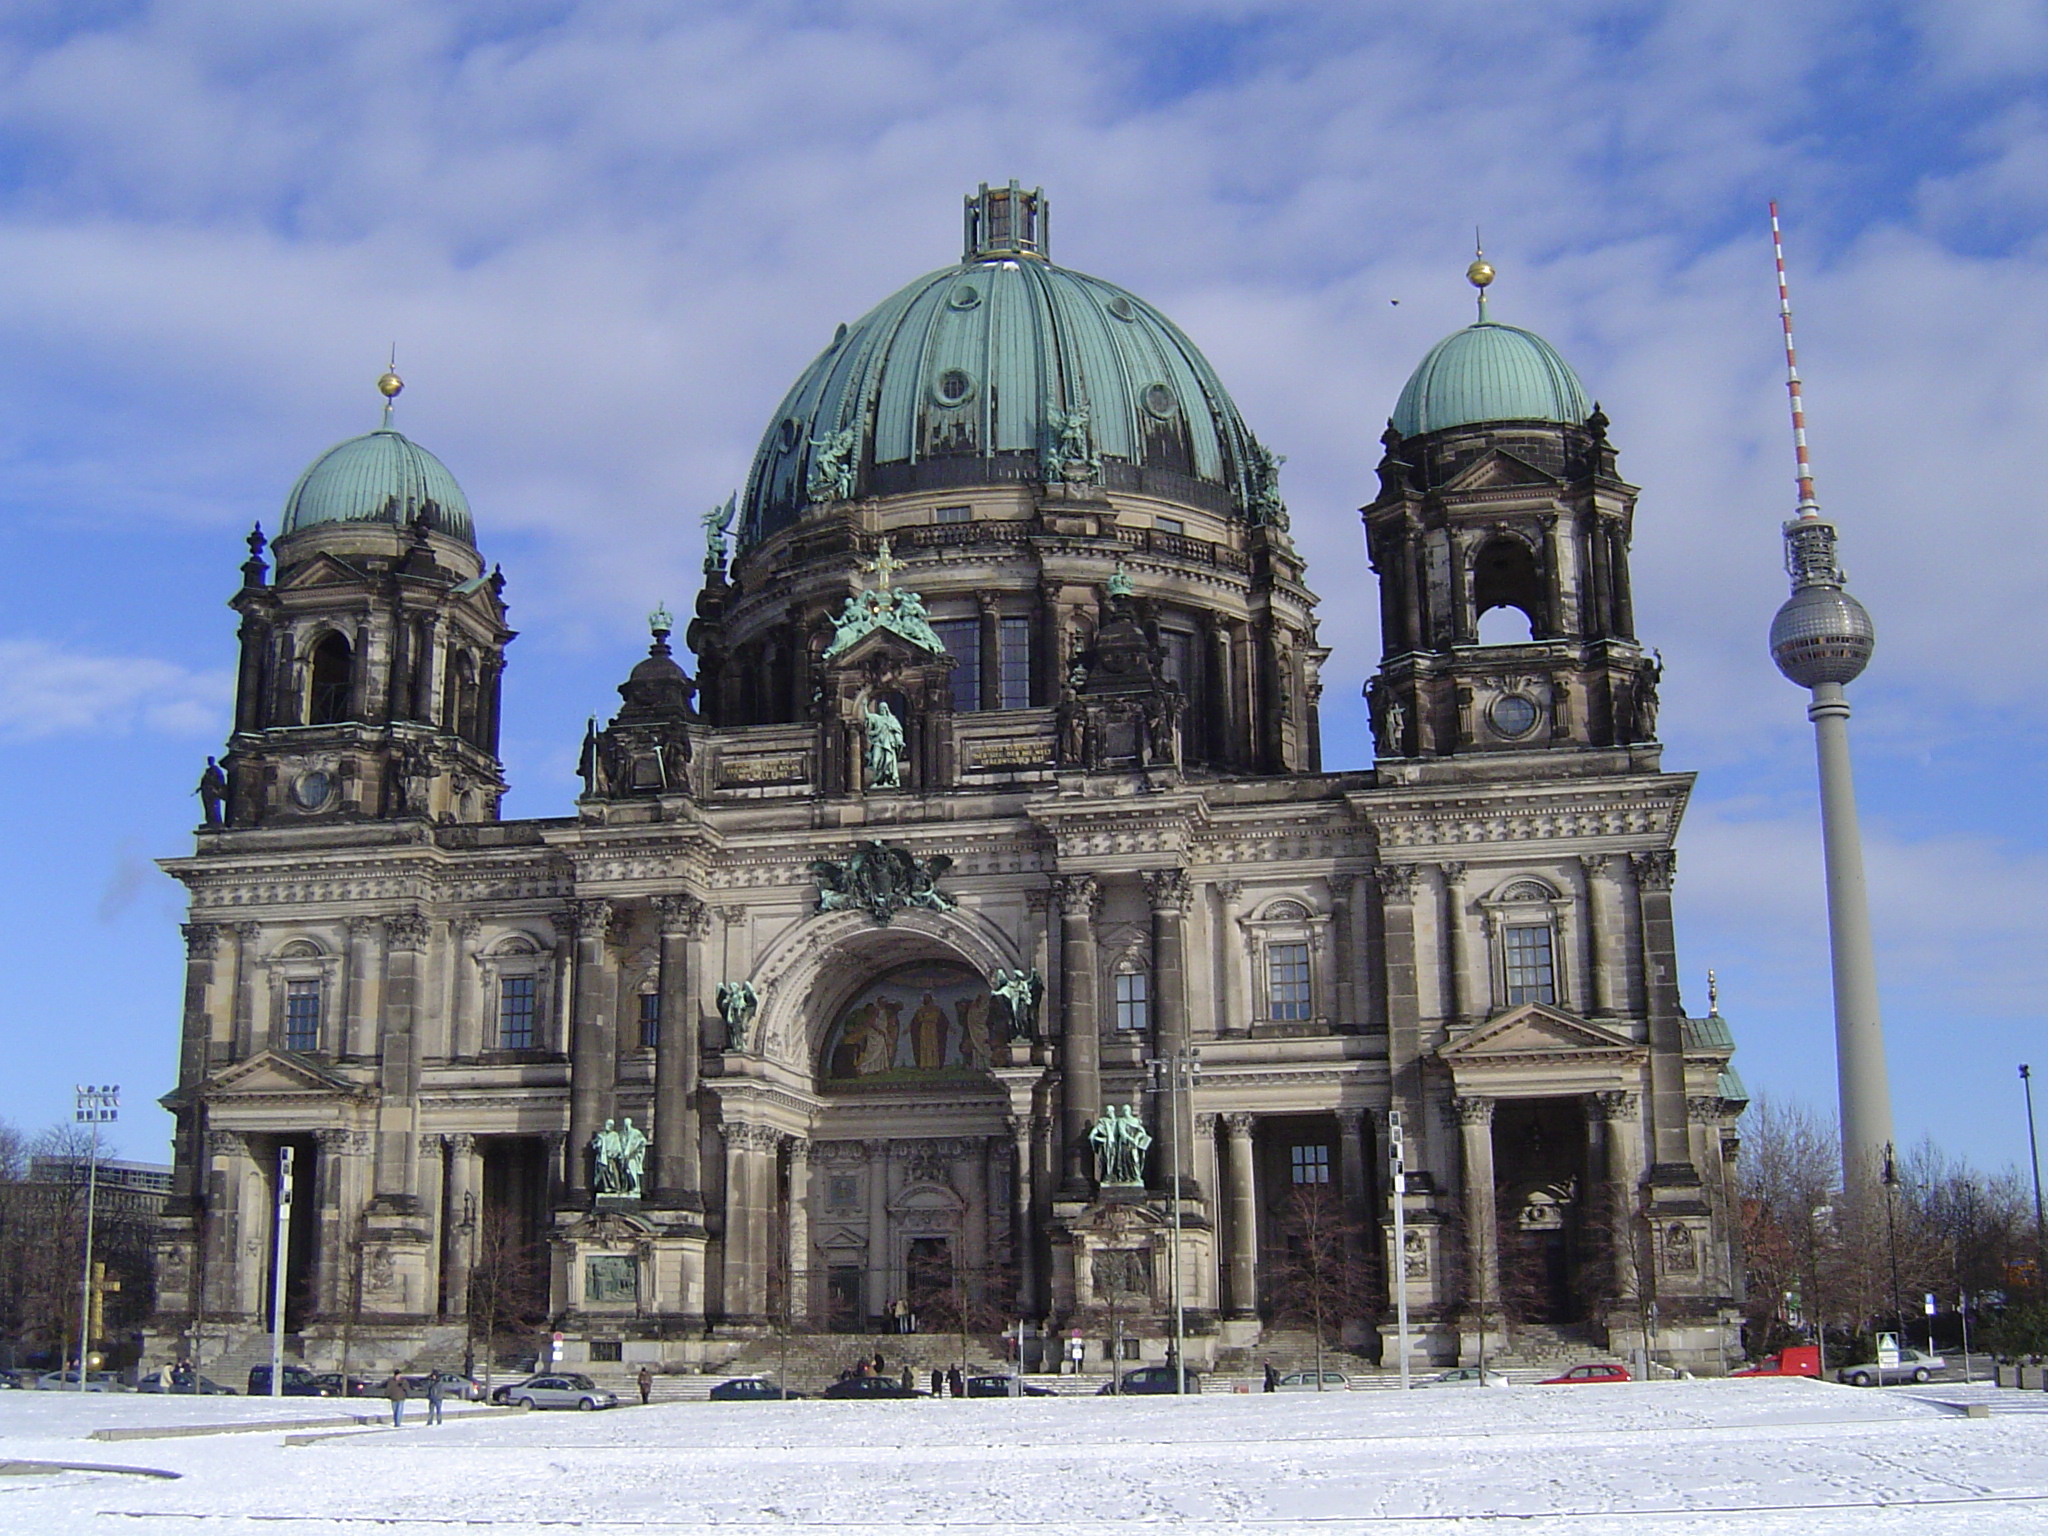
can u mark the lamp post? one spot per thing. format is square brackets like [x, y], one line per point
[2034, 1157]
[1397, 1179]
[277, 1267]
[94, 1107]
[1891, 1233]
[1175, 1075]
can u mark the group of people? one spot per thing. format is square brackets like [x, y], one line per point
[399, 1391]
[946, 1380]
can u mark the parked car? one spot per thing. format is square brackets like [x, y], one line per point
[1305, 1381]
[750, 1389]
[1148, 1380]
[871, 1387]
[190, 1386]
[1797, 1360]
[67, 1381]
[999, 1386]
[561, 1389]
[334, 1384]
[1466, 1376]
[1585, 1375]
[1914, 1365]
[455, 1387]
[298, 1382]
[10, 1381]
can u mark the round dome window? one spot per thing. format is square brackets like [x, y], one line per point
[1160, 401]
[965, 296]
[953, 387]
[1123, 308]
[1513, 714]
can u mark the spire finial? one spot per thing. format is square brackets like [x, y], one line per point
[1713, 995]
[1480, 273]
[1808, 506]
[661, 623]
[389, 384]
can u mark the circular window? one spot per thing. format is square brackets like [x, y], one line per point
[312, 790]
[953, 387]
[1160, 401]
[1513, 714]
[1123, 308]
[965, 296]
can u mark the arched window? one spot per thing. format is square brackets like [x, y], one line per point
[1504, 575]
[329, 670]
[462, 693]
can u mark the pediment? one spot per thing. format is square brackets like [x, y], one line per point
[272, 1073]
[882, 643]
[840, 1240]
[1498, 469]
[926, 1197]
[323, 570]
[1537, 1031]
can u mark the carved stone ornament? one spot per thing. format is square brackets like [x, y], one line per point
[1473, 1111]
[406, 930]
[927, 1163]
[593, 918]
[1656, 869]
[1618, 1104]
[1702, 1109]
[1170, 890]
[226, 1143]
[1080, 895]
[680, 914]
[1397, 881]
[202, 940]
[882, 881]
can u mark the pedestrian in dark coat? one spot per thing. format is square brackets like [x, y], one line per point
[938, 1382]
[881, 1369]
[1272, 1378]
[395, 1389]
[956, 1383]
[909, 1380]
[436, 1388]
[646, 1383]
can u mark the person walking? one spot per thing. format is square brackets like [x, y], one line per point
[909, 1378]
[1272, 1378]
[938, 1382]
[881, 1366]
[395, 1390]
[646, 1383]
[955, 1382]
[436, 1389]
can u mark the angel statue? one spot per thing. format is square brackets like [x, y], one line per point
[717, 524]
[738, 1001]
[1020, 991]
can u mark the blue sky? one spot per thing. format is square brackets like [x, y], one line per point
[606, 236]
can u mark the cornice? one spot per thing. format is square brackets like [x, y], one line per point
[1638, 807]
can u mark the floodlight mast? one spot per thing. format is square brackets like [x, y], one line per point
[1822, 639]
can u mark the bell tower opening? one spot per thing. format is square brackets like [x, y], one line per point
[328, 674]
[1507, 593]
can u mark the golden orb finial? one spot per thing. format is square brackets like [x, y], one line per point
[1480, 273]
[389, 384]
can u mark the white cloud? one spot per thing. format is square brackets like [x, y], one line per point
[48, 691]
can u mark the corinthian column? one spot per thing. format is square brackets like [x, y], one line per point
[678, 1178]
[1081, 1076]
[1475, 1131]
[592, 1044]
[1170, 893]
[1244, 1219]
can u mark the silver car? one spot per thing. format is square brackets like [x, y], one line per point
[561, 1389]
[1466, 1376]
[1305, 1381]
[67, 1381]
[1914, 1365]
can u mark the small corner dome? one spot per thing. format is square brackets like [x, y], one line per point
[1489, 372]
[380, 477]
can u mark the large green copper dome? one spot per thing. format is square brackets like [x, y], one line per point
[380, 477]
[1489, 372]
[974, 374]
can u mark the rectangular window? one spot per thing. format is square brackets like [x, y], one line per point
[650, 1020]
[1014, 662]
[1172, 525]
[1311, 1165]
[952, 514]
[1133, 1001]
[1183, 667]
[1532, 972]
[302, 1016]
[516, 1012]
[1287, 981]
[607, 1351]
[962, 639]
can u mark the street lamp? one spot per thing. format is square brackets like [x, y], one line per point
[1174, 1076]
[277, 1268]
[2034, 1156]
[94, 1107]
[1891, 1230]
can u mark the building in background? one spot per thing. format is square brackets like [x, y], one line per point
[832, 996]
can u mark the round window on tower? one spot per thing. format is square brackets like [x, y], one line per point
[1123, 308]
[965, 296]
[311, 791]
[1160, 401]
[1513, 715]
[953, 387]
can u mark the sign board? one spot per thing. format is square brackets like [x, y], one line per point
[1930, 1303]
[1887, 1349]
[555, 1349]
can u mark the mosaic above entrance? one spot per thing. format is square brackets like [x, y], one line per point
[919, 1023]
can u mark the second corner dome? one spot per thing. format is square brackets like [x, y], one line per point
[1485, 373]
[380, 477]
[968, 376]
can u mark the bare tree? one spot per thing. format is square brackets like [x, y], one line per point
[1318, 1275]
[508, 1283]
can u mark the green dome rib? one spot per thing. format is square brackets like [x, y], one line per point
[1489, 372]
[963, 366]
[380, 477]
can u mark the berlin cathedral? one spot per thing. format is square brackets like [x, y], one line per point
[978, 930]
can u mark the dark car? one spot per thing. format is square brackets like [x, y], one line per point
[871, 1387]
[1148, 1380]
[298, 1382]
[999, 1386]
[1585, 1375]
[334, 1384]
[185, 1386]
[750, 1389]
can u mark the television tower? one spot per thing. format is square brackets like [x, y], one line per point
[1822, 639]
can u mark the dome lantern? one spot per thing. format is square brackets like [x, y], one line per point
[380, 477]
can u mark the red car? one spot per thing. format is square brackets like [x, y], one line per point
[1582, 1375]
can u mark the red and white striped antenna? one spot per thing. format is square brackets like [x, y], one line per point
[1809, 507]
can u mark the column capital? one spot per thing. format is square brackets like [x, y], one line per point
[1453, 871]
[226, 1143]
[1205, 1123]
[1473, 1109]
[468, 927]
[406, 930]
[461, 1143]
[1656, 869]
[1595, 865]
[1702, 1109]
[1618, 1103]
[248, 932]
[202, 940]
[1170, 890]
[1351, 1121]
[1080, 896]
[1240, 1125]
[732, 916]
[1230, 891]
[1342, 884]
[592, 916]
[798, 1148]
[681, 913]
[361, 926]
[1397, 881]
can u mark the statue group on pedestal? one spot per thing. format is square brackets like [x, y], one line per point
[1120, 1141]
[619, 1158]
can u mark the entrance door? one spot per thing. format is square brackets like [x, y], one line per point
[930, 1277]
[846, 1299]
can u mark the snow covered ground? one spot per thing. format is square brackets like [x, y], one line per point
[1710, 1456]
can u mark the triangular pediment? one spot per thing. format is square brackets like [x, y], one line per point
[884, 642]
[270, 1073]
[1537, 1031]
[1498, 469]
[323, 570]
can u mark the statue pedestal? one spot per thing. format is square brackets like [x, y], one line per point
[622, 1267]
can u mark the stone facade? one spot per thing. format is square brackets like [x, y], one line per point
[769, 932]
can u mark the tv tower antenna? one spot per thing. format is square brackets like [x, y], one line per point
[1822, 639]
